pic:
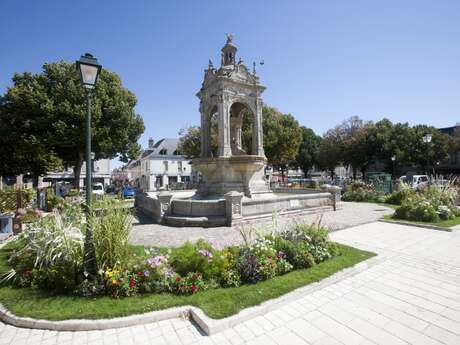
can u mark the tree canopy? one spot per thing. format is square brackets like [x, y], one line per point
[307, 155]
[50, 107]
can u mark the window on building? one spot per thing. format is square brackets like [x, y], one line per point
[163, 152]
[165, 164]
[179, 166]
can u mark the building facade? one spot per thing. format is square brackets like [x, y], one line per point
[161, 166]
[101, 174]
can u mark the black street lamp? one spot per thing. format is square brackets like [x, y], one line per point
[427, 137]
[89, 71]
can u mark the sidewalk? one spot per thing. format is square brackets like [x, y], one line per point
[413, 297]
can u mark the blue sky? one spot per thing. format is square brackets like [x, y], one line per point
[324, 60]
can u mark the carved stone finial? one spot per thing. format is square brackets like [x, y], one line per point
[240, 61]
[210, 65]
[254, 68]
[229, 38]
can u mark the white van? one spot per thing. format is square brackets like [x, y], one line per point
[415, 181]
[98, 189]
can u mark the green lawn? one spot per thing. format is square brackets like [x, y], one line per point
[442, 224]
[218, 303]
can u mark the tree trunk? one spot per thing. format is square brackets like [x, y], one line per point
[1, 182]
[332, 174]
[363, 173]
[77, 170]
[354, 173]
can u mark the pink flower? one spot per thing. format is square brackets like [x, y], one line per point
[205, 253]
[156, 261]
[21, 212]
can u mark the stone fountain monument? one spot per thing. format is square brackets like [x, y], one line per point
[233, 187]
[226, 95]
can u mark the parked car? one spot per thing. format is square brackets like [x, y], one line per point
[98, 189]
[128, 192]
[110, 189]
[415, 181]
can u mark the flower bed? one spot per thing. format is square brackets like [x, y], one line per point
[49, 255]
[360, 191]
[429, 204]
[216, 303]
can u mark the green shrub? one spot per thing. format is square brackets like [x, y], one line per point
[417, 209]
[199, 257]
[110, 237]
[52, 200]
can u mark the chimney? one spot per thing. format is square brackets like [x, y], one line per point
[151, 143]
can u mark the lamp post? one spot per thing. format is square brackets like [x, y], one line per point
[89, 70]
[427, 137]
[393, 159]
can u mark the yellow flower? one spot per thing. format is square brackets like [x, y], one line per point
[114, 282]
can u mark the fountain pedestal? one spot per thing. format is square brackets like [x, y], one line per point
[221, 175]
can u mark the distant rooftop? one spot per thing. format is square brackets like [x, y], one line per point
[450, 130]
[163, 147]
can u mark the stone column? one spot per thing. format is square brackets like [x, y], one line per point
[225, 149]
[335, 195]
[165, 203]
[257, 130]
[203, 133]
[233, 207]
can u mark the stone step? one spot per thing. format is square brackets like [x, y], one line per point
[203, 221]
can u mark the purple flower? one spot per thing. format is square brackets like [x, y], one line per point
[205, 253]
[146, 273]
[156, 261]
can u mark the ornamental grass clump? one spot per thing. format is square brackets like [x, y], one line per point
[49, 254]
[111, 231]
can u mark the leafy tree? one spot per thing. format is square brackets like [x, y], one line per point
[428, 155]
[353, 137]
[392, 140]
[330, 152]
[24, 140]
[190, 141]
[358, 149]
[282, 138]
[55, 100]
[307, 156]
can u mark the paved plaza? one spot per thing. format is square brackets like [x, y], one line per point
[349, 214]
[411, 297]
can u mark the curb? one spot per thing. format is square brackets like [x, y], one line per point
[208, 325]
[400, 222]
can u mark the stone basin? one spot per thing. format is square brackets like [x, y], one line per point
[221, 175]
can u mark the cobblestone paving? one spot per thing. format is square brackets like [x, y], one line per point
[413, 297]
[350, 214]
